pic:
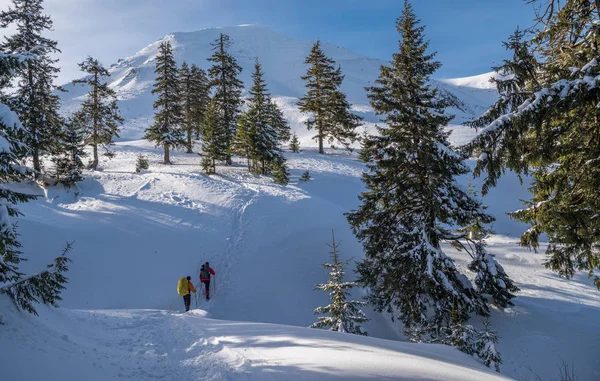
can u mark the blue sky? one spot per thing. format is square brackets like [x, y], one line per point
[467, 34]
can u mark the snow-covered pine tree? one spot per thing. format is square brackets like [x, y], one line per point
[341, 315]
[514, 80]
[490, 278]
[166, 131]
[226, 89]
[200, 98]
[459, 334]
[413, 198]
[364, 154]
[295, 144]
[305, 176]
[69, 163]
[45, 286]
[280, 172]
[243, 140]
[187, 101]
[261, 127]
[553, 136]
[329, 111]
[279, 123]
[484, 345]
[34, 101]
[99, 113]
[213, 144]
[141, 163]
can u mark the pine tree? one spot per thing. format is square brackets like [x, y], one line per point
[485, 347]
[280, 172]
[340, 315]
[227, 90]
[364, 154]
[295, 144]
[194, 100]
[99, 113]
[45, 286]
[141, 163]
[34, 101]
[327, 105]
[187, 101]
[550, 131]
[305, 177]
[490, 278]
[200, 98]
[496, 146]
[213, 145]
[413, 198]
[167, 128]
[261, 128]
[69, 163]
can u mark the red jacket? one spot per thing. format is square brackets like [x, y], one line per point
[211, 271]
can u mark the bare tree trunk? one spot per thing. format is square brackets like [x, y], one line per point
[96, 161]
[167, 155]
[95, 122]
[37, 165]
[321, 150]
[189, 140]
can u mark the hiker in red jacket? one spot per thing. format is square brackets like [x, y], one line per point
[205, 272]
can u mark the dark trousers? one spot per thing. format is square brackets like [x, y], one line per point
[187, 300]
[207, 287]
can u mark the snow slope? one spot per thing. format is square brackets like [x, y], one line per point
[137, 234]
[151, 344]
[282, 58]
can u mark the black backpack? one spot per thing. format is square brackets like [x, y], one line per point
[204, 273]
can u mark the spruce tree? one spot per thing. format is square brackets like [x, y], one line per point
[305, 176]
[226, 89]
[166, 131]
[44, 286]
[187, 101]
[295, 144]
[69, 163]
[34, 101]
[485, 347]
[412, 198]
[99, 113]
[329, 111]
[280, 171]
[497, 146]
[490, 277]
[550, 131]
[340, 315]
[261, 128]
[364, 154]
[141, 164]
[200, 98]
[213, 144]
[194, 100]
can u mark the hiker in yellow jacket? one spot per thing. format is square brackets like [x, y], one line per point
[184, 287]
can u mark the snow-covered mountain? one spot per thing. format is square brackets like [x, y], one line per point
[282, 58]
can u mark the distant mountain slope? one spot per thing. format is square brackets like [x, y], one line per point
[282, 58]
